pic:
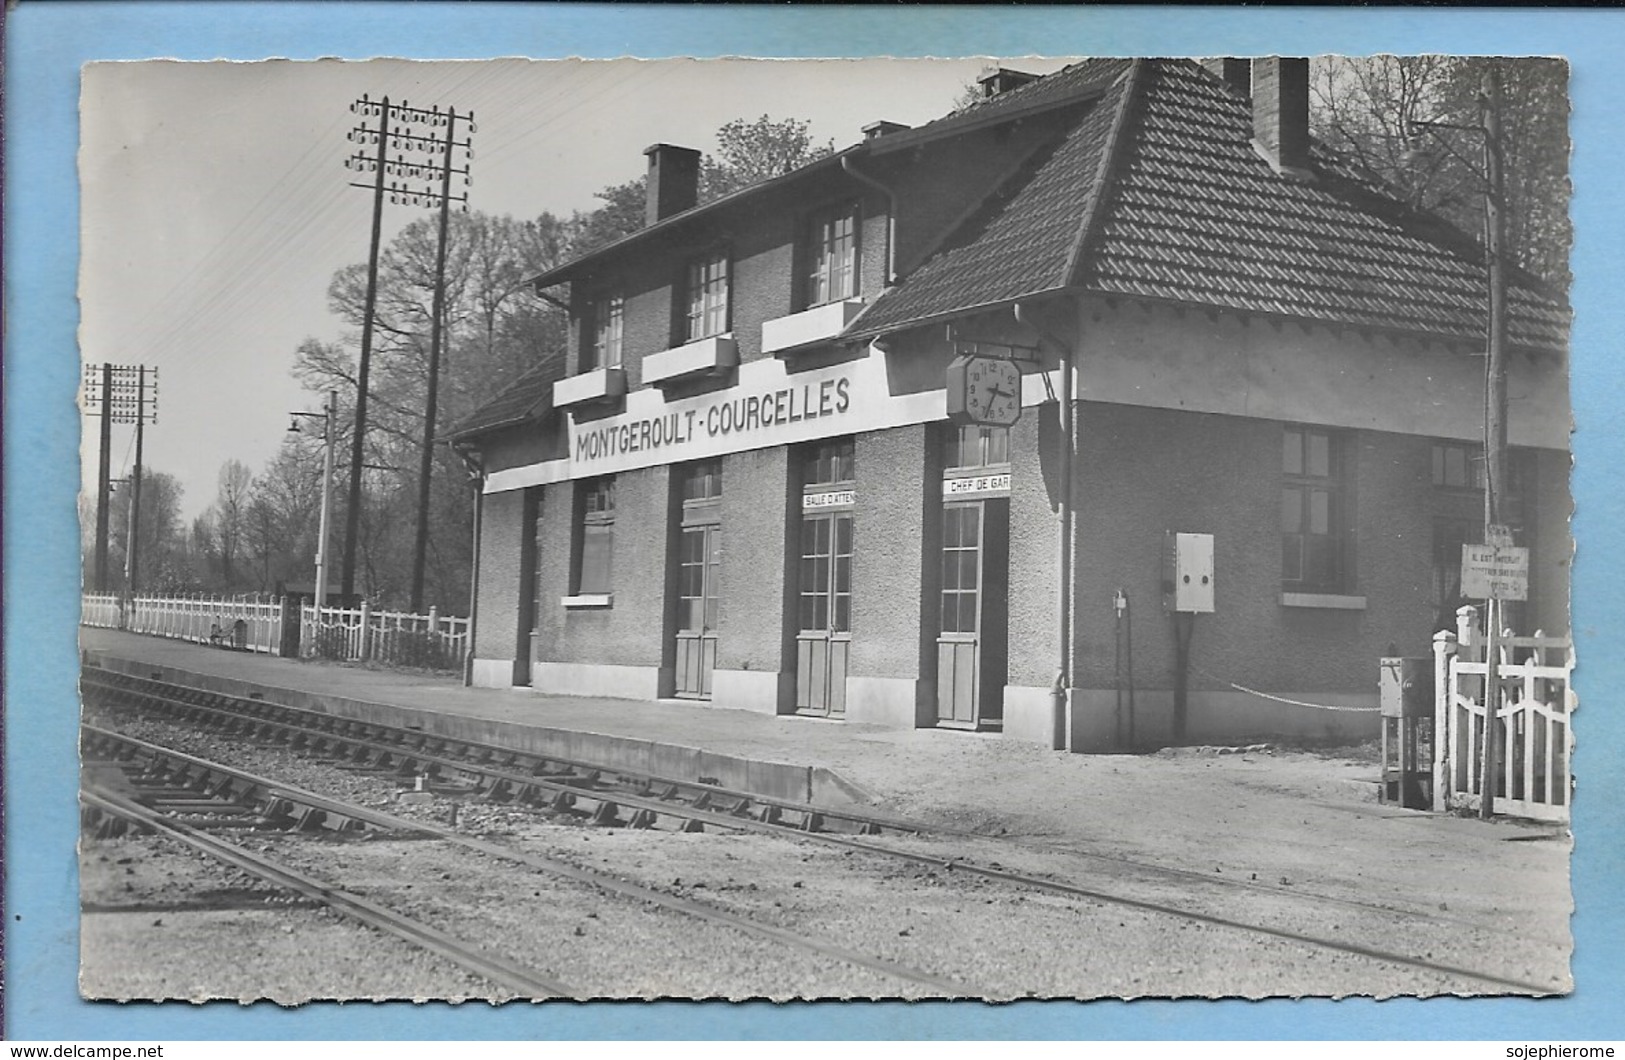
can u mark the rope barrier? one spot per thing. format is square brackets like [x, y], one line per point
[1283, 699]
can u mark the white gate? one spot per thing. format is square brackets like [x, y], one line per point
[1530, 774]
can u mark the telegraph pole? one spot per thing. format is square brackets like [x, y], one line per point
[1495, 422]
[1495, 406]
[118, 394]
[132, 561]
[99, 393]
[426, 464]
[414, 187]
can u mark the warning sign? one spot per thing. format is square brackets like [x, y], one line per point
[1494, 572]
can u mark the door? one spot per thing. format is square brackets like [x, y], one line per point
[972, 637]
[699, 555]
[824, 639]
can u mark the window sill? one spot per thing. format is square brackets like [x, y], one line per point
[588, 601]
[1326, 601]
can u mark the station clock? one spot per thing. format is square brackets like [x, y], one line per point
[984, 391]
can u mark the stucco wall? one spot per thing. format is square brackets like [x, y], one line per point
[635, 629]
[1342, 377]
[501, 547]
[1146, 471]
[895, 523]
[755, 634]
[1034, 643]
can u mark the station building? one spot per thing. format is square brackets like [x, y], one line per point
[1154, 306]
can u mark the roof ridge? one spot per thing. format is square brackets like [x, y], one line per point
[1130, 82]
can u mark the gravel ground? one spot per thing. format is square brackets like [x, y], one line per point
[162, 922]
[999, 942]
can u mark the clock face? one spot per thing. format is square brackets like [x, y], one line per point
[984, 391]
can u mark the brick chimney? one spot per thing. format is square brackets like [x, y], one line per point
[1237, 73]
[876, 129]
[998, 81]
[1281, 114]
[674, 181]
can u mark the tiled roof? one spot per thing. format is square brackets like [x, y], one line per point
[1020, 243]
[1062, 88]
[1189, 212]
[528, 397]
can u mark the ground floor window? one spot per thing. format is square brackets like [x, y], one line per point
[595, 535]
[1313, 512]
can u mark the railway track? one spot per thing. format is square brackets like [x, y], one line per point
[628, 799]
[190, 799]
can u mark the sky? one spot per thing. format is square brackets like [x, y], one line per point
[216, 206]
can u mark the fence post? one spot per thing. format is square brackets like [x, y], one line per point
[366, 631]
[1444, 649]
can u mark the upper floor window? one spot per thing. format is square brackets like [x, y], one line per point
[832, 255]
[606, 324]
[1458, 466]
[973, 446]
[595, 539]
[707, 286]
[1312, 511]
[829, 463]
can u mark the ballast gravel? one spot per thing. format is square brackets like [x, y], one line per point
[994, 940]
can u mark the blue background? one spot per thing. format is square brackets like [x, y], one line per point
[47, 40]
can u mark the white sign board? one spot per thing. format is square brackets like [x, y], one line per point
[811, 502]
[1489, 572]
[978, 485]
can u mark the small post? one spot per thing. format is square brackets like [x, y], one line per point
[364, 649]
[1492, 698]
[1444, 650]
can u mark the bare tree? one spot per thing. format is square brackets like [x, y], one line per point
[1363, 107]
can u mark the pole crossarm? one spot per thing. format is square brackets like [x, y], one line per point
[125, 400]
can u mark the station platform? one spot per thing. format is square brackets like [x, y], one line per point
[1277, 812]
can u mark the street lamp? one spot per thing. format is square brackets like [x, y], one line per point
[327, 417]
[1495, 395]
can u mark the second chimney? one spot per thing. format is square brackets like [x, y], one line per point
[674, 181]
[1281, 113]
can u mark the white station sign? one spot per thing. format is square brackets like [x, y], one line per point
[977, 486]
[1494, 572]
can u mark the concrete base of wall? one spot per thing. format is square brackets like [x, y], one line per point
[1029, 715]
[594, 679]
[889, 702]
[761, 691]
[492, 673]
[1217, 717]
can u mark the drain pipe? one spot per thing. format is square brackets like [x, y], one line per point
[475, 465]
[1060, 729]
[891, 216]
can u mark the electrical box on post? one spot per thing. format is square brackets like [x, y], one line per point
[1187, 572]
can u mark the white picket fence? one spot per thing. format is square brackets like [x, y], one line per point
[435, 641]
[199, 617]
[1530, 777]
[390, 638]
